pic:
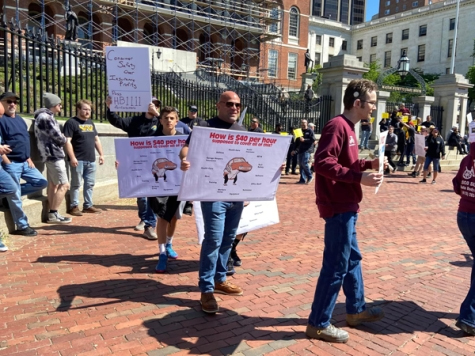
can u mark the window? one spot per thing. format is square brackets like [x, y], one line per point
[403, 7]
[318, 40]
[330, 56]
[292, 66]
[386, 12]
[415, 4]
[272, 63]
[422, 30]
[403, 51]
[372, 58]
[294, 22]
[317, 58]
[374, 41]
[360, 59]
[387, 59]
[331, 42]
[359, 44]
[274, 15]
[397, 1]
[405, 34]
[421, 53]
[344, 45]
[447, 70]
[388, 3]
[449, 48]
[397, 8]
[452, 24]
[389, 37]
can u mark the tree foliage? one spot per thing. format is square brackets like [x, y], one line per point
[471, 78]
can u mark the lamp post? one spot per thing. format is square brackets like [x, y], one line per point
[403, 66]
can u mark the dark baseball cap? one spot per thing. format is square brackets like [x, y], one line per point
[9, 94]
[154, 99]
[193, 108]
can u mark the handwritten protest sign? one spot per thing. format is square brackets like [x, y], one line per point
[128, 78]
[381, 150]
[257, 215]
[420, 145]
[230, 165]
[149, 166]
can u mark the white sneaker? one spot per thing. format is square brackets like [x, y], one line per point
[56, 218]
[140, 226]
[150, 234]
[3, 248]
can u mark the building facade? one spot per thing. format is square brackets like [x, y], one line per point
[349, 12]
[392, 7]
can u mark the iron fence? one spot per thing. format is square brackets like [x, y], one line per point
[33, 63]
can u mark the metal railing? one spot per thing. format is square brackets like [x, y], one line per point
[33, 64]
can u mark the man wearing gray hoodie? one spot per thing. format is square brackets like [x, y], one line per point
[50, 144]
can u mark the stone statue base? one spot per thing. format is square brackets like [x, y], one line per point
[72, 66]
[307, 79]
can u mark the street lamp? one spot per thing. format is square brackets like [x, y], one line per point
[403, 65]
[158, 53]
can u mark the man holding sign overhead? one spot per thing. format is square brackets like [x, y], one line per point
[304, 139]
[339, 176]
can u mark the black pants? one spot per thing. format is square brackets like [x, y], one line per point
[291, 160]
[390, 156]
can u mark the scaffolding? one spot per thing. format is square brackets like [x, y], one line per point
[231, 34]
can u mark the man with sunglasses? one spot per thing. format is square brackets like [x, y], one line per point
[192, 120]
[18, 163]
[255, 125]
[221, 219]
[50, 144]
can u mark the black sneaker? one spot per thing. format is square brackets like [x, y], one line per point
[236, 260]
[467, 329]
[230, 267]
[429, 175]
[423, 181]
[5, 203]
[188, 209]
[28, 231]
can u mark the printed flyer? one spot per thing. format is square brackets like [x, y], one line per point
[256, 215]
[227, 165]
[381, 150]
[149, 166]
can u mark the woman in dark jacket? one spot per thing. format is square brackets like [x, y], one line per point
[455, 140]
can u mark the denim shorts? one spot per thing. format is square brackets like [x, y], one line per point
[435, 161]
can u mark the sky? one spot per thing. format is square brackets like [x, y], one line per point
[372, 8]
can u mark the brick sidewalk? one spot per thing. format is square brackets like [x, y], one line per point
[89, 288]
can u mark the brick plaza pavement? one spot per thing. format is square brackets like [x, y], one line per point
[88, 288]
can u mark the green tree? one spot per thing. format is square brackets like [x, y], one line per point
[318, 78]
[471, 78]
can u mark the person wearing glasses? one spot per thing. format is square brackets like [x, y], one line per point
[255, 125]
[82, 141]
[339, 175]
[50, 144]
[221, 219]
[18, 163]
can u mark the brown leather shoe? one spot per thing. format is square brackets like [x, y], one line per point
[227, 288]
[369, 315]
[75, 211]
[92, 210]
[208, 303]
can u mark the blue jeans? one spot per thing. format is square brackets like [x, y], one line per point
[145, 213]
[305, 173]
[341, 266]
[466, 224]
[7, 185]
[410, 153]
[34, 182]
[365, 138]
[221, 220]
[86, 171]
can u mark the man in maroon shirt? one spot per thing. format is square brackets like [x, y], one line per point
[339, 176]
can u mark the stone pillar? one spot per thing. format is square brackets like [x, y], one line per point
[383, 97]
[336, 74]
[424, 103]
[450, 90]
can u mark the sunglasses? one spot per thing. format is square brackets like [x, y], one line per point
[255, 122]
[193, 110]
[230, 104]
[11, 102]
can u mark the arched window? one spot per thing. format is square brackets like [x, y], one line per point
[294, 22]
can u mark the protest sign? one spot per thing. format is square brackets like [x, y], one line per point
[128, 78]
[420, 145]
[256, 215]
[371, 120]
[149, 166]
[228, 165]
[385, 115]
[405, 119]
[298, 133]
[381, 150]
[471, 128]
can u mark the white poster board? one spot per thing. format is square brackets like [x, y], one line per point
[471, 128]
[257, 215]
[420, 145]
[381, 150]
[128, 78]
[227, 165]
[149, 166]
